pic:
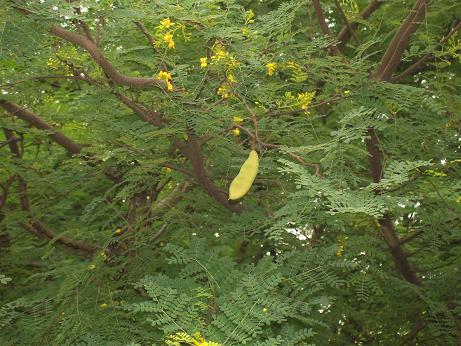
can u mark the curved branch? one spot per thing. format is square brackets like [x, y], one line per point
[36, 121]
[115, 76]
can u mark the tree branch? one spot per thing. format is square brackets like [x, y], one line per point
[35, 226]
[149, 37]
[106, 66]
[36, 121]
[345, 34]
[387, 226]
[417, 66]
[400, 41]
[346, 21]
[324, 26]
[193, 151]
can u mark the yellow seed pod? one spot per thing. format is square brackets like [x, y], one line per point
[243, 181]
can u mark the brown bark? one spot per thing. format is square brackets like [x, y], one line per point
[324, 26]
[420, 63]
[345, 34]
[387, 226]
[152, 117]
[36, 121]
[115, 76]
[383, 72]
[400, 41]
[346, 22]
[34, 226]
[193, 151]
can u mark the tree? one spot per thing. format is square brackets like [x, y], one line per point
[125, 121]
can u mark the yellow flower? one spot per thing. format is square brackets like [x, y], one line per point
[118, 231]
[53, 63]
[194, 340]
[203, 62]
[166, 23]
[458, 199]
[340, 251]
[166, 169]
[271, 67]
[249, 17]
[92, 266]
[103, 255]
[223, 91]
[232, 63]
[264, 309]
[104, 306]
[231, 78]
[305, 99]
[219, 53]
[342, 242]
[238, 120]
[168, 39]
[245, 31]
[166, 77]
[435, 173]
[236, 131]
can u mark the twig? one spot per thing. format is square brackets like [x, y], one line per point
[419, 63]
[159, 233]
[324, 26]
[411, 237]
[346, 21]
[298, 158]
[345, 34]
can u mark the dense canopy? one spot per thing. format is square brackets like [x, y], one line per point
[124, 122]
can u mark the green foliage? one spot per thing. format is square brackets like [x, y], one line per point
[132, 240]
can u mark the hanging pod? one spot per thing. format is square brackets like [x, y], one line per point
[243, 181]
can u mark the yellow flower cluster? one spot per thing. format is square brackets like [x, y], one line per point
[249, 17]
[221, 57]
[219, 53]
[166, 23]
[53, 63]
[238, 120]
[435, 173]
[164, 34]
[236, 132]
[224, 91]
[341, 246]
[194, 340]
[166, 77]
[168, 39]
[204, 62]
[270, 68]
[305, 99]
